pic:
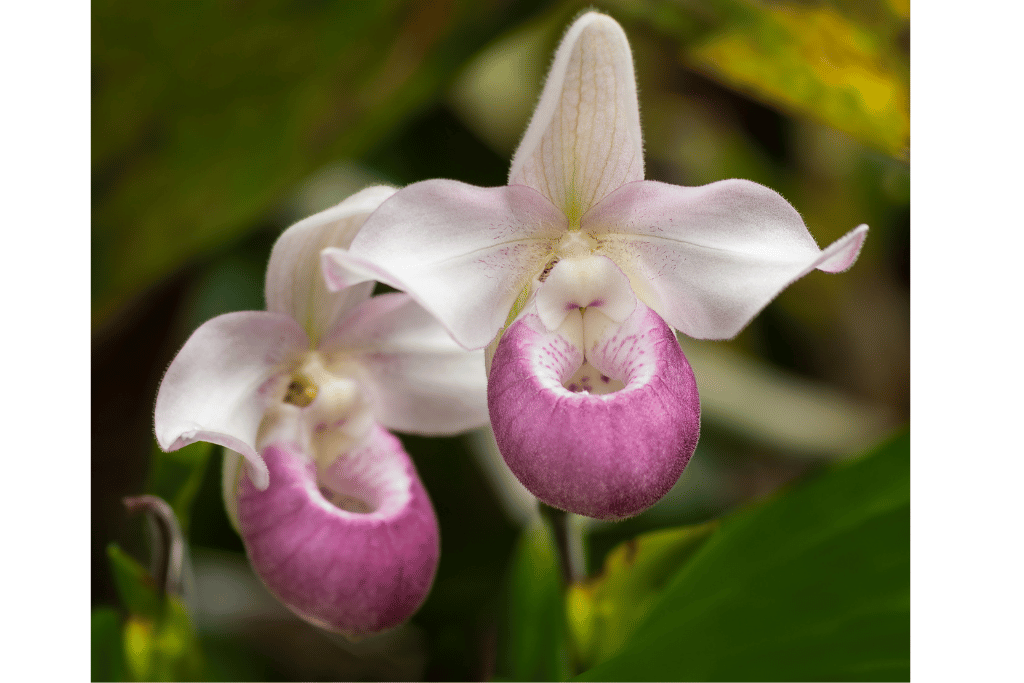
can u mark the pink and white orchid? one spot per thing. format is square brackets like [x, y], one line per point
[576, 272]
[334, 518]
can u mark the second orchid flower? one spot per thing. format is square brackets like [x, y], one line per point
[334, 518]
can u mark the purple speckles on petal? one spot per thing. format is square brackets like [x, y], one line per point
[354, 550]
[609, 455]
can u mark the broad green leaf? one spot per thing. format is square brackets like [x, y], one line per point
[107, 652]
[813, 61]
[604, 612]
[812, 585]
[207, 116]
[177, 476]
[537, 648]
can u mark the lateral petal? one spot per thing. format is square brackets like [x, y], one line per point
[353, 549]
[709, 258]
[295, 285]
[604, 455]
[217, 387]
[463, 252]
[584, 139]
[418, 379]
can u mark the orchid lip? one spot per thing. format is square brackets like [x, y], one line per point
[359, 560]
[609, 446]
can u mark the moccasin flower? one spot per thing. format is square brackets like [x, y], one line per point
[332, 513]
[582, 268]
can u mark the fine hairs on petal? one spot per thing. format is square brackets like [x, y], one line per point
[708, 259]
[584, 139]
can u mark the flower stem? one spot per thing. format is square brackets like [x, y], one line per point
[568, 543]
[169, 544]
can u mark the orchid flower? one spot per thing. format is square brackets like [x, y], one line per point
[576, 272]
[332, 513]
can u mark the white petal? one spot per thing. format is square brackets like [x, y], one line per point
[465, 253]
[708, 259]
[419, 380]
[584, 139]
[215, 388]
[584, 282]
[295, 285]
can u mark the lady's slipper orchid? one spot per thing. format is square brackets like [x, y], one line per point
[334, 518]
[584, 267]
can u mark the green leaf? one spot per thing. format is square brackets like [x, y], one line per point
[107, 653]
[812, 61]
[177, 476]
[208, 117]
[165, 649]
[605, 611]
[537, 648]
[137, 589]
[811, 585]
[159, 640]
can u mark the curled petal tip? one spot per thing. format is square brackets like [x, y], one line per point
[607, 455]
[258, 473]
[841, 254]
[207, 393]
[352, 549]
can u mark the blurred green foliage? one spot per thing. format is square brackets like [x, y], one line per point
[207, 115]
[815, 62]
[159, 640]
[107, 651]
[536, 645]
[177, 476]
[843, 64]
[603, 613]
